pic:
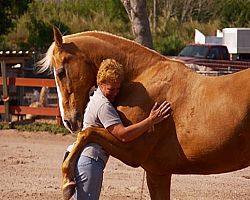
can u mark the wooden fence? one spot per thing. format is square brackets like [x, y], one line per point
[228, 65]
[23, 110]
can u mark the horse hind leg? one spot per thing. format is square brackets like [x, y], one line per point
[159, 186]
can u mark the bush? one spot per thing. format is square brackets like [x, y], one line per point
[169, 45]
[36, 127]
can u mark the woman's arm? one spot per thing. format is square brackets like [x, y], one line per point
[129, 133]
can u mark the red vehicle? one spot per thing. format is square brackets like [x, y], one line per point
[204, 51]
[213, 56]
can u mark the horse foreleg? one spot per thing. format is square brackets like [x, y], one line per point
[159, 186]
[68, 167]
[102, 137]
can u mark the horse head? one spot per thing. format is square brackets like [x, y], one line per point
[74, 78]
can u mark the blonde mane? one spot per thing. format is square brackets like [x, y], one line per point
[46, 62]
[103, 35]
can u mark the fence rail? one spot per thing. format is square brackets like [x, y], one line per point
[29, 82]
[22, 110]
[223, 64]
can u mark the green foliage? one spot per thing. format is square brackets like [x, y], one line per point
[37, 127]
[82, 15]
[172, 36]
[4, 126]
[71, 16]
[169, 45]
[9, 12]
[234, 13]
[177, 20]
[204, 14]
[41, 33]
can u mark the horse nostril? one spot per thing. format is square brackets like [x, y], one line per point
[68, 124]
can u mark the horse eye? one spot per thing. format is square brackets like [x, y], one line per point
[60, 72]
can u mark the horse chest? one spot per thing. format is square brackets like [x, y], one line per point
[131, 115]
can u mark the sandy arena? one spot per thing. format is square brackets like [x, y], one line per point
[30, 169]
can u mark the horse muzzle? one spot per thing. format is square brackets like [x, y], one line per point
[73, 126]
[74, 123]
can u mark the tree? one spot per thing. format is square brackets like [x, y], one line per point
[234, 13]
[9, 12]
[41, 34]
[137, 13]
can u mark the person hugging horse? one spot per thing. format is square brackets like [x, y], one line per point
[100, 112]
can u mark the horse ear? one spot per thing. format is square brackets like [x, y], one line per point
[57, 37]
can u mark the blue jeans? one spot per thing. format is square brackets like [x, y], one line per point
[88, 177]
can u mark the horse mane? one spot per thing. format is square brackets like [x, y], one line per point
[105, 35]
[46, 62]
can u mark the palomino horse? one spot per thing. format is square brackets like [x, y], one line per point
[208, 131]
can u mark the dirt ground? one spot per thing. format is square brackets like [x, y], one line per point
[30, 169]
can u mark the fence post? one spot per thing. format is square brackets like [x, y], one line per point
[59, 120]
[5, 97]
[58, 117]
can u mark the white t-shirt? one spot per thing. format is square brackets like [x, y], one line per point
[98, 113]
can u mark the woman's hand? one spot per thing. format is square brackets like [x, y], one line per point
[159, 113]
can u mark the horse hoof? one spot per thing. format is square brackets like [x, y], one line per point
[68, 190]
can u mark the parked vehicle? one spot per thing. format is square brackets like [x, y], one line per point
[204, 51]
[210, 57]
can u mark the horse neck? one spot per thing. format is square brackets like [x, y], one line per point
[147, 69]
[134, 58]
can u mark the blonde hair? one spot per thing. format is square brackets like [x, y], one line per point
[110, 71]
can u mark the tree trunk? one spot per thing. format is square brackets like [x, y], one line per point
[137, 12]
[155, 22]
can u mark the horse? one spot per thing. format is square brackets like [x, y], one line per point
[209, 128]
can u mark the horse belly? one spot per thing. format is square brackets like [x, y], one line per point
[200, 155]
[220, 156]
[217, 139]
